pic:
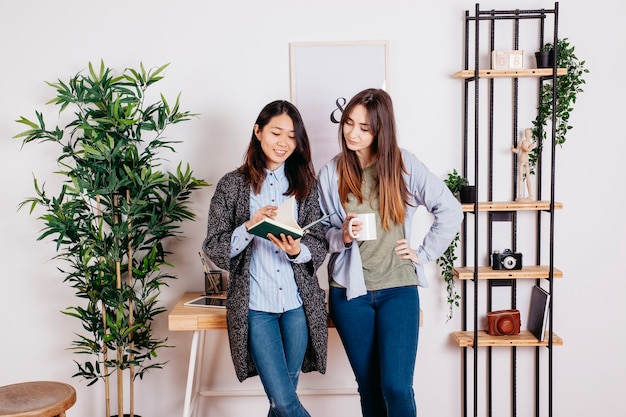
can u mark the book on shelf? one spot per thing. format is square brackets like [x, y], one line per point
[538, 313]
[285, 222]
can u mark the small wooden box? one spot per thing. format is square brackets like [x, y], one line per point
[507, 59]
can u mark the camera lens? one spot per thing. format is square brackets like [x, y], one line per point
[509, 262]
[505, 325]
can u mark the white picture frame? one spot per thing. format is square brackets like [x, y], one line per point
[324, 76]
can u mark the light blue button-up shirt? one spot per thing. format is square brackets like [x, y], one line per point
[273, 288]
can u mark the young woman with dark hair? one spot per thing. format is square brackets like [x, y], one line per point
[374, 300]
[276, 312]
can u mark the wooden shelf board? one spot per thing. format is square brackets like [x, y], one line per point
[511, 205]
[486, 272]
[524, 338]
[533, 72]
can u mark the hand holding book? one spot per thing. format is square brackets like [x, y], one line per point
[282, 220]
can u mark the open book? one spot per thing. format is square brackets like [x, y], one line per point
[285, 222]
[538, 315]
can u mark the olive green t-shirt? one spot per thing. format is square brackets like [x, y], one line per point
[382, 268]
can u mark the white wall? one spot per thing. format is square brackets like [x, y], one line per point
[228, 60]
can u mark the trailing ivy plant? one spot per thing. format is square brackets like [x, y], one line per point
[568, 87]
[455, 182]
[111, 216]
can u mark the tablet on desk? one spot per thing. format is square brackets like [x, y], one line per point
[214, 301]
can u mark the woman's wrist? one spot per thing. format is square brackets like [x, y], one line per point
[292, 257]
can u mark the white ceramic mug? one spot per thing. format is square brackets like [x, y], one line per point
[368, 228]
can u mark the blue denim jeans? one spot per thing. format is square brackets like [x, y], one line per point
[379, 331]
[277, 344]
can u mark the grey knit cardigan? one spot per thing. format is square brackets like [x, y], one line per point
[230, 207]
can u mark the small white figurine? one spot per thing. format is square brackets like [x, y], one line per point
[523, 166]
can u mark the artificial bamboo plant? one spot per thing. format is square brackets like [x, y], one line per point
[111, 214]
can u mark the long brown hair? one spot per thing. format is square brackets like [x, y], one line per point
[298, 167]
[392, 189]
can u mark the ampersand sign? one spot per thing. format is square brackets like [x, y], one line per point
[340, 102]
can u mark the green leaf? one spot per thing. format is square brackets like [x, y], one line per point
[567, 88]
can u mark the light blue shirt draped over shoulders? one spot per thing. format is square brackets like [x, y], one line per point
[273, 287]
[426, 189]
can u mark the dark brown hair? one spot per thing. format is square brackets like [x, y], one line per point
[298, 167]
[392, 189]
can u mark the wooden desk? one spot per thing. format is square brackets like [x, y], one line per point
[198, 320]
[201, 319]
[187, 318]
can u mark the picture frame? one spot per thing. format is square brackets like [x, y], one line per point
[323, 78]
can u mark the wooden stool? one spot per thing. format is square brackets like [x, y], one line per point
[36, 399]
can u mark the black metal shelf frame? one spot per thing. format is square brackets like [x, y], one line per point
[491, 18]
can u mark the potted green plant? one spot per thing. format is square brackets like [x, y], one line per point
[460, 187]
[543, 56]
[455, 183]
[568, 87]
[111, 215]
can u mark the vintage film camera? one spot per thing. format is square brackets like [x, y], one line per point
[506, 260]
[503, 322]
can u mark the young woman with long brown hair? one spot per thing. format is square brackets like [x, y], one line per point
[374, 300]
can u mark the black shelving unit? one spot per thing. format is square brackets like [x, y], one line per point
[477, 277]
